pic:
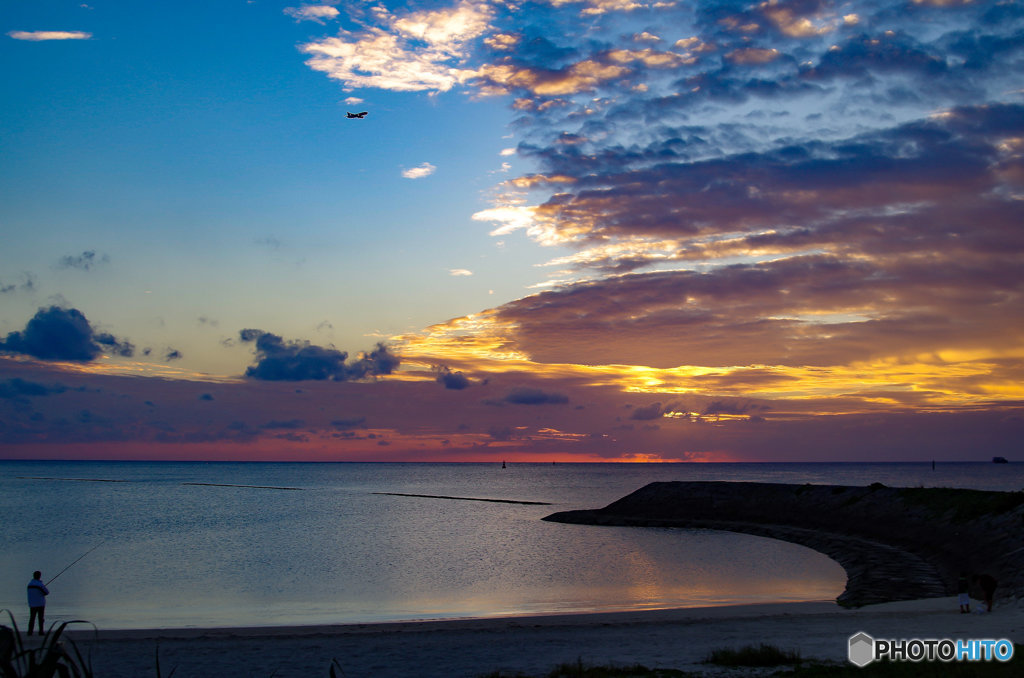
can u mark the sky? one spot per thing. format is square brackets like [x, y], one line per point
[567, 230]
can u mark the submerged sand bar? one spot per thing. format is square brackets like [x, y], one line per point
[894, 543]
[442, 496]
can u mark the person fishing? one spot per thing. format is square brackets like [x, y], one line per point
[37, 593]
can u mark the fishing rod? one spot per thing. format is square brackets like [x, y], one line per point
[75, 561]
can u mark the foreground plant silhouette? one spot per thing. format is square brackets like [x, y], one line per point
[49, 660]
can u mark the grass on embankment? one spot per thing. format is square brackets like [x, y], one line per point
[962, 505]
[581, 670]
[754, 655]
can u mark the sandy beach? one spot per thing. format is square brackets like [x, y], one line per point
[679, 638]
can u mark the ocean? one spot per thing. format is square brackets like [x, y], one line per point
[170, 544]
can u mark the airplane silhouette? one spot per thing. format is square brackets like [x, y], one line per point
[356, 115]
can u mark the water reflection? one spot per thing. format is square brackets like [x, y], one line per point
[187, 555]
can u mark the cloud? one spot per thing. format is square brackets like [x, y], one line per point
[348, 422]
[718, 407]
[173, 354]
[753, 55]
[292, 361]
[720, 51]
[417, 51]
[291, 424]
[576, 78]
[57, 333]
[39, 36]
[647, 412]
[599, 7]
[880, 267]
[278, 360]
[18, 388]
[270, 242]
[535, 396]
[812, 199]
[455, 381]
[460, 272]
[88, 413]
[317, 13]
[885, 260]
[424, 170]
[84, 261]
[377, 362]
[775, 189]
[808, 205]
[27, 284]
[502, 433]
[806, 311]
[250, 334]
[114, 345]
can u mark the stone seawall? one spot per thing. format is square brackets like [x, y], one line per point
[894, 543]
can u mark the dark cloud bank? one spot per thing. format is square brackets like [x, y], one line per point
[535, 396]
[57, 333]
[911, 237]
[455, 381]
[20, 388]
[280, 360]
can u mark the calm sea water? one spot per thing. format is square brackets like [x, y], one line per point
[166, 552]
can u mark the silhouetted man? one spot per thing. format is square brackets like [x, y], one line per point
[37, 593]
[961, 592]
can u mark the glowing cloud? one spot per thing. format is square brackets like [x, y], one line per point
[317, 13]
[419, 172]
[40, 36]
[413, 52]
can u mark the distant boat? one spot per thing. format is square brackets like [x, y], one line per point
[999, 460]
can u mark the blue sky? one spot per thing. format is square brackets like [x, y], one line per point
[217, 177]
[605, 228]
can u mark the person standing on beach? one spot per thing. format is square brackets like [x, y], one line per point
[37, 593]
[961, 592]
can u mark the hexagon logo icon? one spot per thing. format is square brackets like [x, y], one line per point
[862, 649]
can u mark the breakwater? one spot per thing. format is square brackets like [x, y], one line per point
[894, 543]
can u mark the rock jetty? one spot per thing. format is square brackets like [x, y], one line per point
[894, 543]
